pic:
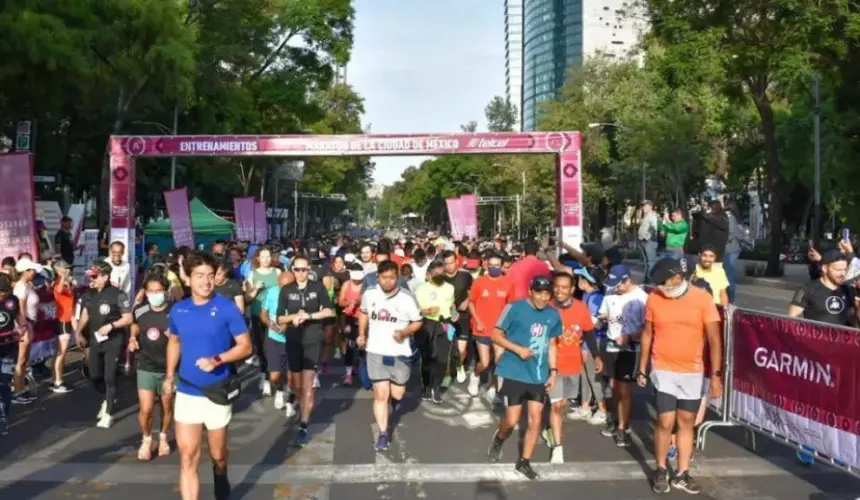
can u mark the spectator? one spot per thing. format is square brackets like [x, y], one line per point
[647, 235]
[713, 229]
[675, 229]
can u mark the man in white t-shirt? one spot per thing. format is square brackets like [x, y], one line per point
[388, 318]
[623, 311]
[120, 275]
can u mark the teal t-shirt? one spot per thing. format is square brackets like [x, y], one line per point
[529, 327]
[270, 305]
[269, 281]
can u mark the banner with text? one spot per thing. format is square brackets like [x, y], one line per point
[455, 218]
[261, 228]
[569, 198]
[798, 380]
[469, 212]
[17, 205]
[179, 212]
[244, 211]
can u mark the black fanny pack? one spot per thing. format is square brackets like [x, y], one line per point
[224, 392]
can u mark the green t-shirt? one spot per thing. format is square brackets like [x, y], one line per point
[430, 295]
[269, 280]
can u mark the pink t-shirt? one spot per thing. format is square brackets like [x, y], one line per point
[524, 271]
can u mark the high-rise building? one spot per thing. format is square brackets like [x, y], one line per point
[514, 56]
[560, 33]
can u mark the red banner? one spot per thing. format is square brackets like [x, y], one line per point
[261, 227]
[179, 212]
[245, 215]
[374, 145]
[799, 380]
[17, 205]
[469, 212]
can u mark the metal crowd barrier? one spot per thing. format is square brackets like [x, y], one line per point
[724, 407]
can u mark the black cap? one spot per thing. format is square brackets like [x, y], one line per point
[541, 284]
[593, 250]
[688, 264]
[831, 256]
[666, 269]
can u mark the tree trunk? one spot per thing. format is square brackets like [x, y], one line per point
[774, 181]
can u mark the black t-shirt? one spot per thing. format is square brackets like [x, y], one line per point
[230, 289]
[820, 303]
[462, 282]
[64, 245]
[318, 271]
[152, 356]
[313, 298]
[106, 306]
[9, 336]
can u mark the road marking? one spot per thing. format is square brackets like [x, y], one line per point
[50, 450]
[629, 470]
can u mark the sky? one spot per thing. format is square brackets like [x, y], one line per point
[425, 66]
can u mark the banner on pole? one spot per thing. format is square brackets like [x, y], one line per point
[469, 212]
[798, 380]
[261, 229]
[455, 218]
[17, 207]
[245, 214]
[179, 212]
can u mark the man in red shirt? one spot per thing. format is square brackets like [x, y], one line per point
[488, 296]
[523, 271]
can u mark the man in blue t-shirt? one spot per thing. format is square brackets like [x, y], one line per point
[527, 367]
[207, 334]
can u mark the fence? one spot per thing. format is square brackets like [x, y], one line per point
[793, 380]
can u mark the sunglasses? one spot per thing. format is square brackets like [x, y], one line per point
[300, 269]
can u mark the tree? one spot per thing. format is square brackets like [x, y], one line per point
[501, 115]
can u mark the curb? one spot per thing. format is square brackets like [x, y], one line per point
[779, 283]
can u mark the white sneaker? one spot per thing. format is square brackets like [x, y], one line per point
[490, 395]
[557, 455]
[461, 375]
[266, 387]
[474, 384]
[579, 413]
[102, 410]
[337, 354]
[279, 400]
[290, 410]
[599, 418]
[316, 381]
[105, 422]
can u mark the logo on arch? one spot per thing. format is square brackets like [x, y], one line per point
[570, 170]
[120, 174]
[557, 141]
[135, 145]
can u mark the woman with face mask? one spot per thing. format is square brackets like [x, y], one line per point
[349, 300]
[149, 341]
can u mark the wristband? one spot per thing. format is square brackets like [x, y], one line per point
[217, 358]
[642, 374]
[553, 370]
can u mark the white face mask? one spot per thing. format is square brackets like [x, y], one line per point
[356, 275]
[673, 292]
[156, 299]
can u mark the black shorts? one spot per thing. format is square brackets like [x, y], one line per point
[622, 366]
[464, 326]
[516, 393]
[483, 340]
[305, 355]
[667, 403]
[63, 328]
[350, 328]
[276, 355]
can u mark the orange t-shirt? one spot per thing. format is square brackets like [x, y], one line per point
[575, 319]
[678, 341]
[490, 296]
[64, 303]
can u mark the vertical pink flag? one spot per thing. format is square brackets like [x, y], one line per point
[179, 213]
[17, 205]
[455, 218]
[469, 212]
[244, 211]
[261, 228]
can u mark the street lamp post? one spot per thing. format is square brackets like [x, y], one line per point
[625, 128]
[166, 130]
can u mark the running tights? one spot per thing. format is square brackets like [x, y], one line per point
[5, 394]
[259, 332]
[103, 363]
[435, 354]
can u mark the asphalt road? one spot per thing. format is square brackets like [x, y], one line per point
[54, 451]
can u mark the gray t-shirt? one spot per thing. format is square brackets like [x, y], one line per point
[648, 227]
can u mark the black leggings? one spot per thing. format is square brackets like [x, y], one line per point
[350, 357]
[259, 332]
[436, 353]
[103, 362]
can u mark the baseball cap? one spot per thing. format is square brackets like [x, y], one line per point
[831, 256]
[28, 265]
[348, 258]
[617, 275]
[582, 271]
[593, 250]
[667, 268]
[99, 269]
[647, 202]
[688, 265]
[541, 284]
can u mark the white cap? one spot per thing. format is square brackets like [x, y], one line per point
[28, 265]
[350, 257]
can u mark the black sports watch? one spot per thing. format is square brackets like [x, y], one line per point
[717, 373]
[641, 374]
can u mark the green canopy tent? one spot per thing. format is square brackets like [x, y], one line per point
[208, 228]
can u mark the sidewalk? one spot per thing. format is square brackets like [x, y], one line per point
[795, 275]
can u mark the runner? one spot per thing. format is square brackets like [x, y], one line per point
[120, 275]
[262, 277]
[228, 287]
[462, 282]
[350, 302]
[25, 291]
[623, 310]
[151, 319]
[592, 381]
[106, 315]
[276, 348]
[64, 302]
[436, 301]
[578, 329]
[388, 319]
[525, 330]
[13, 326]
[679, 319]
[488, 297]
[201, 331]
[302, 308]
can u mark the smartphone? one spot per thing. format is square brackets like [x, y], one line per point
[846, 234]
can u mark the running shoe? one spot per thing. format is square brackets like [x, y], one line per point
[579, 413]
[266, 388]
[280, 401]
[290, 410]
[682, 481]
[608, 430]
[337, 353]
[474, 385]
[382, 442]
[222, 485]
[524, 467]
[102, 410]
[599, 418]
[22, 399]
[436, 394]
[494, 453]
[622, 438]
[661, 481]
[556, 456]
[548, 437]
[303, 437]
[461, 374]
[427, 394]
[316, 381]
[60, 388]
[106, 422]
[673, 452]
